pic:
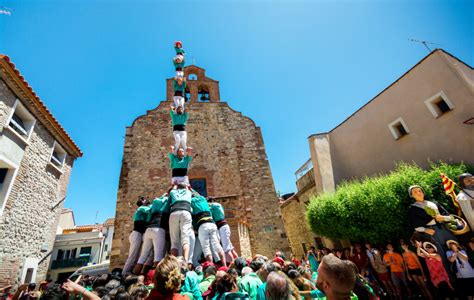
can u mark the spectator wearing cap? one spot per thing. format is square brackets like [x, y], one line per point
[250, 282]
[464, 271]
[209, 277]
[438, 275]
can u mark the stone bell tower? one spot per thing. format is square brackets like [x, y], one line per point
[229, 164]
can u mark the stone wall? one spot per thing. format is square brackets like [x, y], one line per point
[27, 222]
[294, 217]
[229, 154]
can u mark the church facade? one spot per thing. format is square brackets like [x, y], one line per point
[229, 164]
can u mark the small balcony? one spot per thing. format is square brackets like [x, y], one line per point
[305, 176]
[305, 181]
[70, 263]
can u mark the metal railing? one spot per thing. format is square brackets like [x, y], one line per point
[70, 263]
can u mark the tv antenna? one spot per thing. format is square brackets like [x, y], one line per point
[425, 43]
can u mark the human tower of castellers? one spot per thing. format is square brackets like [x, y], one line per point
[181, 212]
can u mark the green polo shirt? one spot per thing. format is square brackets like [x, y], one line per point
[179, 88]
[178, 65]
[250, 284]
[199, 204]
[179, 50]
[180, 195]
[176, 163]
[141, 214]
[179, 119]
[160, 205]
[217, 211]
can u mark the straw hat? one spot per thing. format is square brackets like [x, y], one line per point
[430, 244]
[448, 242]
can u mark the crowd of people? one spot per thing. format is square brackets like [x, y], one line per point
[173, 278]
[180, 248]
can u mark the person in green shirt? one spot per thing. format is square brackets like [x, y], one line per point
[218, 215]
[155, 234]
[136, 236]
[263, 273]
[179, 164]
[179, 118]
[250, 282]
[178, 62]
[209, 276]
[207, 229]
[179, 87]
[180, 222]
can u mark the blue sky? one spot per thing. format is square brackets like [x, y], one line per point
[294, 67]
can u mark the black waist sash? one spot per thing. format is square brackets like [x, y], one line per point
[139, 226]
[181, 205]
[178, 93]
[221, 223]
[179, 172]
[179, 127]
[159, 220]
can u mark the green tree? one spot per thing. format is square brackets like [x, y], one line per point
[376, 208]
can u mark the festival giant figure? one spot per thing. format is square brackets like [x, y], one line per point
[429, 220]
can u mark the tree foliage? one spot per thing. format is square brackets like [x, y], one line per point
[375, 209]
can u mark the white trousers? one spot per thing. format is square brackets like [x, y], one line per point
[224, 233]
[181, 229]
[178, 101]
[153, 239]
[180, 74]
[180, 138]
[135, 239]
[208, 238]
[180, 179]
[196, 253]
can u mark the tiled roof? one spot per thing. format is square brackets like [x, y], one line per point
[81, 228]
[109, 222]
[8, 69]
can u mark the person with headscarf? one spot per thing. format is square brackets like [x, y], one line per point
[428, 219]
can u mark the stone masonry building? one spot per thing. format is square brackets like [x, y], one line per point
[229, 163]
[425, 115]
[36, 158]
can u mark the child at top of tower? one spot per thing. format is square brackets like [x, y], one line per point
[179, 87]
[179, 164]
[178, 47]
[178, 60]
[179, 118]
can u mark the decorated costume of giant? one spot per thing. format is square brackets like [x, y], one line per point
[428, 219]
